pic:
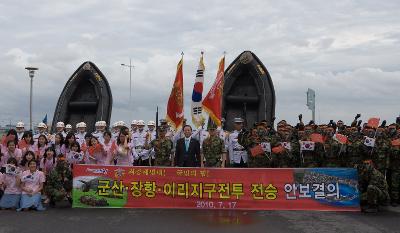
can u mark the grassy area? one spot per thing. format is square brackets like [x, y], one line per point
[113, 202]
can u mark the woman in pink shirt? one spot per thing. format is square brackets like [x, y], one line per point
[75, 155]
[58, 145]
[27, 142]
[11, 152]
[110, 148]
[28, 156]
[12, 191]
[11, 136]
[41, 147]
[97, 155]
[31, 183]
[85, 146]
[68, 142]
[123, 155]
[48, 161]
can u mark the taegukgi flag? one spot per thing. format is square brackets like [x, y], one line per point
[197, 95]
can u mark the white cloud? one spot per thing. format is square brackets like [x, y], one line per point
[20, 58]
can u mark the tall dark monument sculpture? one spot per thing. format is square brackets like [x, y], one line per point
[248, 91]
[86, 97]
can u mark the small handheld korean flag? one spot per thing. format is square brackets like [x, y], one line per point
[286, 145]
[75, 156]
[307, 145]
[370, 142]
[266, 146]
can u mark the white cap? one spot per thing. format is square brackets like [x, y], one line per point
[119, 123]
[60, 124]
[102, 123]
[41, 125]
[81, 125]
[68, 126]
[20, 124]
[151, 123]
[114, 124]
[134, 122]
[140, 122]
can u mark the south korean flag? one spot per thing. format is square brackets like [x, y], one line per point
[307, 145]
[266, 146]
[286, 145]
[28, 178]
[370, 142]
[74, 157]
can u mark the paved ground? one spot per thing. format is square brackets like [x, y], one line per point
[192, 221]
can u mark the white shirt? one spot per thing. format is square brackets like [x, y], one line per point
[200, 134]
[20, 136]
[80, 138]
[99, 135]
[138, 142]
[236, 151]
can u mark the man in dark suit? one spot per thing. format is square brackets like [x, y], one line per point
[187, 151]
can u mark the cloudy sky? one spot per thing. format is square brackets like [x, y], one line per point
[347, 51]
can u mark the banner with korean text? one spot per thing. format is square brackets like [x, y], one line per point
[326, 189]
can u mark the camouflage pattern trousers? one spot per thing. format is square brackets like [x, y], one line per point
[374, 196]
[395, 183]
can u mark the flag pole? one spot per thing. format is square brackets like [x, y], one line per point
[157, 123]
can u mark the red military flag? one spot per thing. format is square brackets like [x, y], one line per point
[257, 150]
[316, 137]
[212, 103]
[175, 101]
[373, 122]
[396, 142]
[342, 139]
[278, 149]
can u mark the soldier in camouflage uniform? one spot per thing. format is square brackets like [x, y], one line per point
[162, 147]
[310, 158]
[394, 166]
[382, 144]
[59, 183]
[289, 156]
[373, 187]
[213, 148]
[379, 152]
[334, 150]
[354, 148]
[258, 135]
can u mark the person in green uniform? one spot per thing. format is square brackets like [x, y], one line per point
[213, 154]
[162, 147]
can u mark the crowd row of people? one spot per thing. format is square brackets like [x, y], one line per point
[374, 150]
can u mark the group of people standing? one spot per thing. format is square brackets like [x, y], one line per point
[41, 164]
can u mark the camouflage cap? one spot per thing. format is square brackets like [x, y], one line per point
[162, 129]
[211, 125]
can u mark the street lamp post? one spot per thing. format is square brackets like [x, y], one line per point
[31, 71]
[130, 81]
